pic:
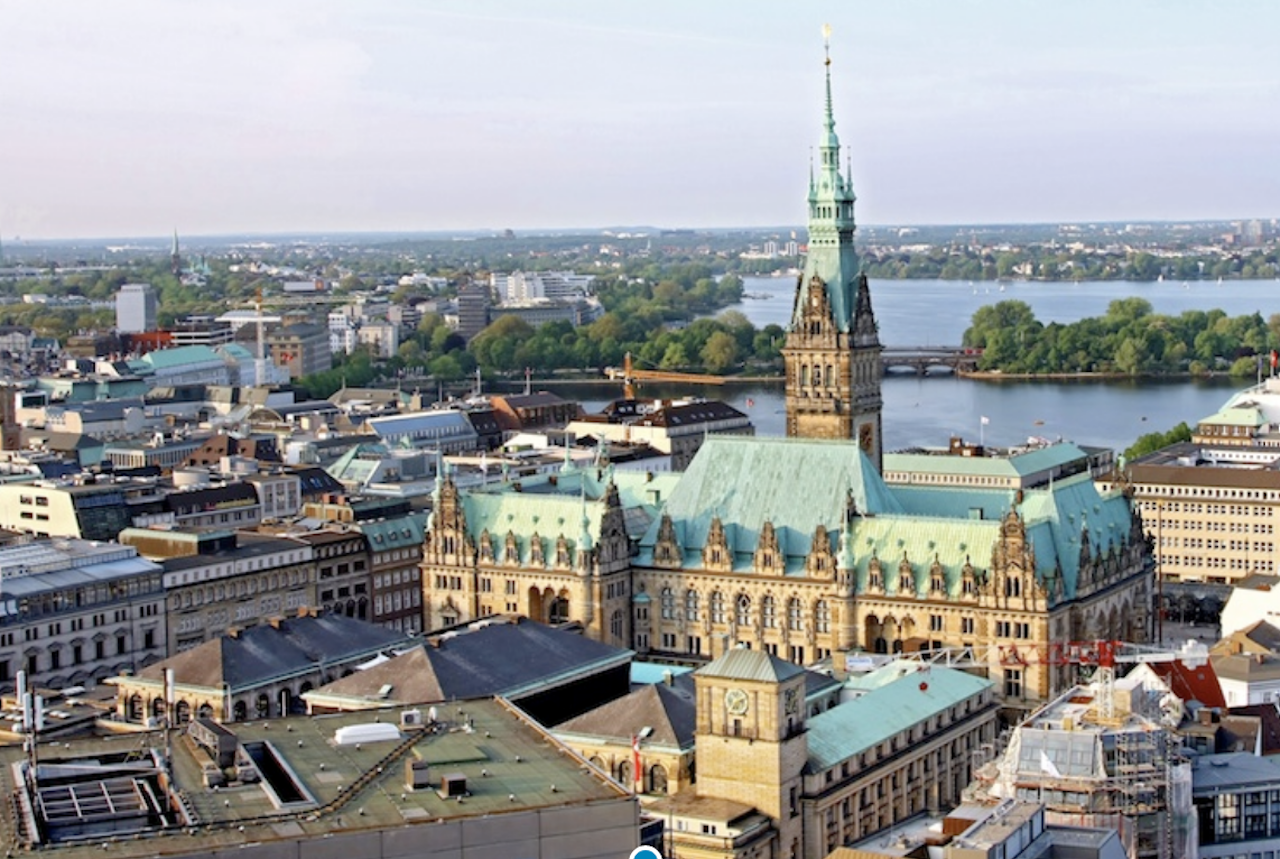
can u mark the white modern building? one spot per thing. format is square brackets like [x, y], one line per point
[136, 305]
[529, 286]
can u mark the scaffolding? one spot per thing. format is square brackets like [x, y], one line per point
[1102, 766]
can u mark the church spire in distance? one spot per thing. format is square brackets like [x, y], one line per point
[832, 351]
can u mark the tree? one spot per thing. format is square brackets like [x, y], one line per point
[720, 352]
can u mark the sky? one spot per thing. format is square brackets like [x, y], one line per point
[136, 117]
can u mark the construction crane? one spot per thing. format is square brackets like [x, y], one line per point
[1104, 654]
[630, 375]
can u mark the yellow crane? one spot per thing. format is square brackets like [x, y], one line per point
[630, 375]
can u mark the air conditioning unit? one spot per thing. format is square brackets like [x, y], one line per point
[411, 719]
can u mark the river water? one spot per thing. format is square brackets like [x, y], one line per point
[927, 411]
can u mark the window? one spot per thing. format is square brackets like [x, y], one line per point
[742, 611]
[936, 623]
[966, 625]
[794, 621]
[1012, 683]
[717, 607]
[769, 609]
[822, 616]
[690, 605]
[668, 604]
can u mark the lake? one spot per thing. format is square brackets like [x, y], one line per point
[925, 412]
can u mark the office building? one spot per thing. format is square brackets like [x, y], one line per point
[136, 308]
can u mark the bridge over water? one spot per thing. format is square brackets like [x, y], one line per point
[924, 360]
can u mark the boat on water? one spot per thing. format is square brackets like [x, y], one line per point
[756, 296]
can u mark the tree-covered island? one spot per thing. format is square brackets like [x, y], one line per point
[1129, 340]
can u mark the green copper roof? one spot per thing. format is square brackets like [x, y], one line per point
[1239, 416]
[900, 695]
[831, 254]
[986, 466]
[738, 663]
[179, 356]
[558, 504]
[796, 484]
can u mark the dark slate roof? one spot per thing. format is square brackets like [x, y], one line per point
[484, 422]
[315, 480]
[738, 663]
[196, 500]
[694, 413]
[484, 660]
[264, 651]
[670, 710]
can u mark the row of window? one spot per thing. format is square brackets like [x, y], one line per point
[691, 610]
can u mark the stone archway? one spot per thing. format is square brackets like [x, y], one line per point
[873, 634]
[558, 608]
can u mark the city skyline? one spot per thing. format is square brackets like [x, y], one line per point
[133, 118]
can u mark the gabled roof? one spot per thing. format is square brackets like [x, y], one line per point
[670, 710]
[508, 659]
[1191, 684]
[259, 653]
[738, 663]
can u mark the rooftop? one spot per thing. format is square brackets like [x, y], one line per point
[509, 764]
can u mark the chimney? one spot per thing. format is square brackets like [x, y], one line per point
[667, 677]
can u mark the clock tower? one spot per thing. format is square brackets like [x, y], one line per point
[751, 745]
[832, 350]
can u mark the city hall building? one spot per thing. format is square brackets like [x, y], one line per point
[798, 546]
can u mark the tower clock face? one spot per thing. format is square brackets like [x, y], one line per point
[736, 702]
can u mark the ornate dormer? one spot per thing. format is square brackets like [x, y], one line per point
[511, 550]
[875, 576]
[937, 579]
[447, 541]
[1013, 565]
[906, 577]
[768, 558]
[666, 551]
[820, 564]
[486, 547]
[716, 554]
[969, 584]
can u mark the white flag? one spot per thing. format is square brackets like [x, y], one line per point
[1047, 765]
[985, 420]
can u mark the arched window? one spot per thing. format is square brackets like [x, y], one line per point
[717, 607]
[906, 584]
[668, 604]
[615, 624]
[769, 609]
[690, 604]
[794, 622]
[657, 779]
[625, 777]
[1012, 587]
[742, 610]
[822, 616]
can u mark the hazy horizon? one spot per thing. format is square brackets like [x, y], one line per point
[132, 118]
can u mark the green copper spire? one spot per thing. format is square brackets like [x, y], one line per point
[831, 255]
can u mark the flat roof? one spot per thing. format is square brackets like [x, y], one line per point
[510, 765]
